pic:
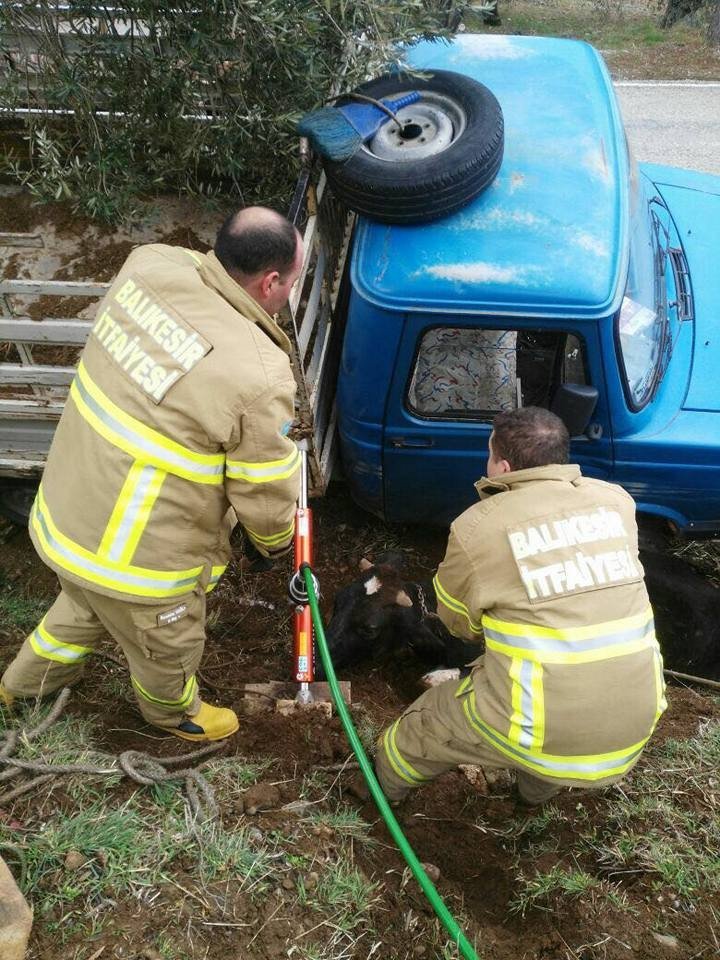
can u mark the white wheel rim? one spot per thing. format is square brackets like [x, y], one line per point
[429, 127]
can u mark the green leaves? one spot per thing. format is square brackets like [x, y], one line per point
[203, 97]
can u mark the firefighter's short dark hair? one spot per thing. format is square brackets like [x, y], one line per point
[254, 240]
[530, 437]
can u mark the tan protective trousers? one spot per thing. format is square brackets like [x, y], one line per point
[432, 737]
[163, 646]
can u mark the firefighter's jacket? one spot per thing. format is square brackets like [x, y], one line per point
[179, 412]
[546, 567]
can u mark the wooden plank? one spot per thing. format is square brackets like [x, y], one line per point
[58, 288]
[20, 240]
[26, 330]
[308, 256]
[18, 373]
[313, 374]
[17, 467]
[31, 409]
[310, 319]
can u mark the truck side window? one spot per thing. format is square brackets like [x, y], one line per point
[469, 372]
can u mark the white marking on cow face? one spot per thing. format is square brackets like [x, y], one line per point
[372, 586]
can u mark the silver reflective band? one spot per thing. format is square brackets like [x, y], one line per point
[147, 475]
[110, 573]
[167, 459]
[556, 645]
[57, 648]
[238, 470]
[527, 722]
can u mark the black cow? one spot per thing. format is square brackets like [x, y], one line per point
[382, 613]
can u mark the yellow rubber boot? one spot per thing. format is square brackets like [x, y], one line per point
[6, 698]
[209, 723]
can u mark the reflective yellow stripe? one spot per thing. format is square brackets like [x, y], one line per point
[184, 701]
[193, 256]
[659, 685]
[402, 768]
[45, 645]
[588, 767]
[589, 644]
[215, 575]
[273, 538]
[455, 605]
[142, 514]
[87, 565]
[131, 512]
[266, 471]
[538, 701]
[137, 439]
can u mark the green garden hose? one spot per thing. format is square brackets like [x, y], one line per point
[428, 888]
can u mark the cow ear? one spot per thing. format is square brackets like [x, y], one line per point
[365, 565]
[402, 599]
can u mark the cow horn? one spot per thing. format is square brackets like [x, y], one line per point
[365, 564]
[402, 599]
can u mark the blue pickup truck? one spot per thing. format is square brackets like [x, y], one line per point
[577, 280]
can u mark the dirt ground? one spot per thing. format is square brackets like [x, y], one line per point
[473, 833]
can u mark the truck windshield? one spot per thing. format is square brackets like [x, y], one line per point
[642, 320]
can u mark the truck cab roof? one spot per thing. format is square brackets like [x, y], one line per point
[549, 236]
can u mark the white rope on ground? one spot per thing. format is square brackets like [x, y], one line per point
[140, 767]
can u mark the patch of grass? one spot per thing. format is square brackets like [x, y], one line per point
[664, 823]
[68, 741]
[612, 26]
[538, 824]
[313, 784]
[348, 892]
[20, 613]
[232, 775]
[107, 847]
[543, 889]
[368, 729]
[345, 821]
[222, 854]
[703, 555]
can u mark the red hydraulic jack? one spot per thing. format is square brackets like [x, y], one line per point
[303, 647]
[286, 696]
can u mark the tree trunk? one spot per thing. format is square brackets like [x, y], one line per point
[15, 917]
[677, 9]
[714, 26]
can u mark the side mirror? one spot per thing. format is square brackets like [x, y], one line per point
[575, 404]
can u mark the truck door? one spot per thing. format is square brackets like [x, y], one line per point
[448, 384]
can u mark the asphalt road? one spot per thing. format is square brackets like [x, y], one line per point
[677, 123]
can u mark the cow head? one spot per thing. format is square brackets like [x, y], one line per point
[369, 614]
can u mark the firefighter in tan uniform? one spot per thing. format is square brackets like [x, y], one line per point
[546, 568]
[176, 425]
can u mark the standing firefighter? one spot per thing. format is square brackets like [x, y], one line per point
[175, 426]
[546, 567]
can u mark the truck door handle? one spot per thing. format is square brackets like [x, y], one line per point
[415, 443]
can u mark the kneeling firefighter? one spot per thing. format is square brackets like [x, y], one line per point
[175, 427]
[546, 567]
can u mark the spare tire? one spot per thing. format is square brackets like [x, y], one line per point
[448, 150]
